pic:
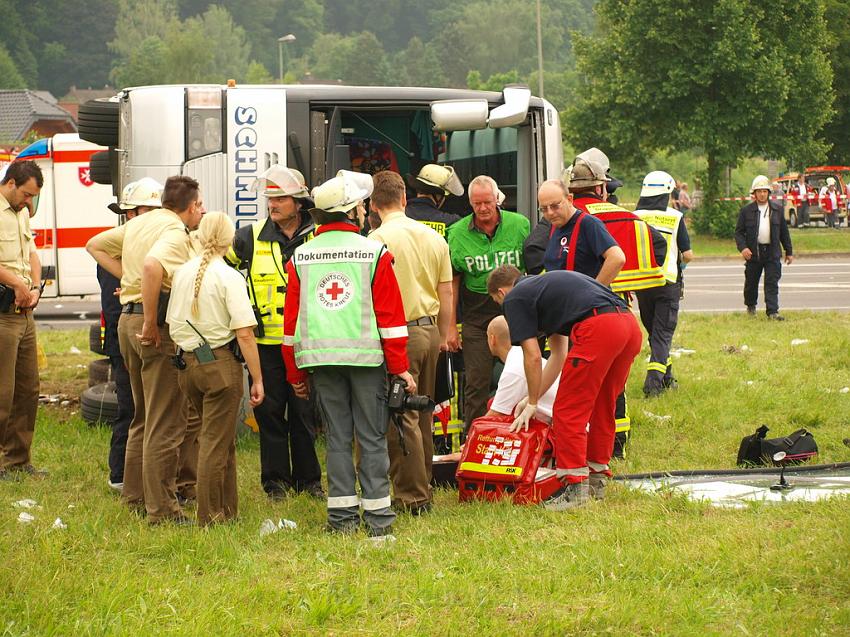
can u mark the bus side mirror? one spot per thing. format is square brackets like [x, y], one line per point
[515, 109]
[452, 115]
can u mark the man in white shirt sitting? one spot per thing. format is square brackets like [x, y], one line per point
[512, 384]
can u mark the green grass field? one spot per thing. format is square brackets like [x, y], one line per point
[635, 564]
[806, 241]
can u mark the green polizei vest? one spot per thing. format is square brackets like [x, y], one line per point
[667, 223]
[267, 287]
[336, 319]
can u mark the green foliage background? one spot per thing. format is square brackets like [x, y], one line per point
[646, 80]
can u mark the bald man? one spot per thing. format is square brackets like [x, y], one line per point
[512, 384]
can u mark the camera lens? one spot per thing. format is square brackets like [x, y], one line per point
[417, 403]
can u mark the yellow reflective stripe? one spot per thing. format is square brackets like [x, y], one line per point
[488, 468]
[642, 244]
[454, 427]
[656, 367]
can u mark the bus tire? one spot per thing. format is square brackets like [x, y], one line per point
[100, 168]
[99, 371]
[99, 404]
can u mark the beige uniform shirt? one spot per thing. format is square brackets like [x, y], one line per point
[223, 305]
[16, 241]
[159, 234]
[421, 262]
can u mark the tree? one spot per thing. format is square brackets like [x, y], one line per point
[418, 65]
[140, 19]
[206, 48]
[735, 78]
[72, 39]
[498, 35]
[258, 74]
[10, 78]
[353, 59]
[16, 32]
[837, 13]
[147, 64]
[230, 49]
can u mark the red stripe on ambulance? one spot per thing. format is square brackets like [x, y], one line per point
[65, 237]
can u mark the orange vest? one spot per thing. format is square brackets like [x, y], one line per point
[632, 234]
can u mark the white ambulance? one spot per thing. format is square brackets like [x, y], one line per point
[70, 209]
[224, 136]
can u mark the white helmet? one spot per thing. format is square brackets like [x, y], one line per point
[760, 183]
[281, 181]
[594, 154]
[442, 178]
[657, 183]
[830, 181]
[586, 172]
[338, 195]
[144, 192]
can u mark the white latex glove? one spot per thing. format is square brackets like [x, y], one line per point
[526, 414]
[520, 406]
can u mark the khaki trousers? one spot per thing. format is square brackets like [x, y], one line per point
[159, 424]
[411, 474]
[214, 389]
[187, 455]
[18, 387]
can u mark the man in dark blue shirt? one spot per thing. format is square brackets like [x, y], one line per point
[595, 252]
[604, 339]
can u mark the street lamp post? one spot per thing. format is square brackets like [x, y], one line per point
[539, 52]
[280, 42]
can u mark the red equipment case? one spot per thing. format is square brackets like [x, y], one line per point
[497, 464]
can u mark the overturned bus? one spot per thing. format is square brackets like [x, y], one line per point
[224, 136]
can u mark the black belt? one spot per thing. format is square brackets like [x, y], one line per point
[132, 308]
[605, 309]
[425, 320]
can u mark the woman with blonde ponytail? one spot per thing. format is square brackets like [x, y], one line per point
[210, 319]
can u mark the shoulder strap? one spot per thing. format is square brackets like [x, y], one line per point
[571, 256]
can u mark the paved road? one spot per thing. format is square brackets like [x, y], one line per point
[809, 283]
[815, 283]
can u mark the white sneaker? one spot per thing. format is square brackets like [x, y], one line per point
[115, 486]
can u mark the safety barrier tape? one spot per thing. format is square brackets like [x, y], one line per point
[812, 200]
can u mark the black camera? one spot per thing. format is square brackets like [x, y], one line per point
[399, 400]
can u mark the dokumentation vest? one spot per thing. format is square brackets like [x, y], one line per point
[336, 319]
[667, 223]
[632, 234]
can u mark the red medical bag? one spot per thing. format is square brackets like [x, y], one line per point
[497, 464]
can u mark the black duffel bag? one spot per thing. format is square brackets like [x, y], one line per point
[756, 449]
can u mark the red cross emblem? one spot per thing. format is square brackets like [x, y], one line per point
[334, 291]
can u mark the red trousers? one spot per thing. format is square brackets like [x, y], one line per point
[602, 349]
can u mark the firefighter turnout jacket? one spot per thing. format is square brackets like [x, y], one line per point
[644, 251]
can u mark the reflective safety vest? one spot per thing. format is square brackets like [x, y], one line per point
[667, 223]
[336, 318]
[267, 286]
[641, 270]
[267, 281]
